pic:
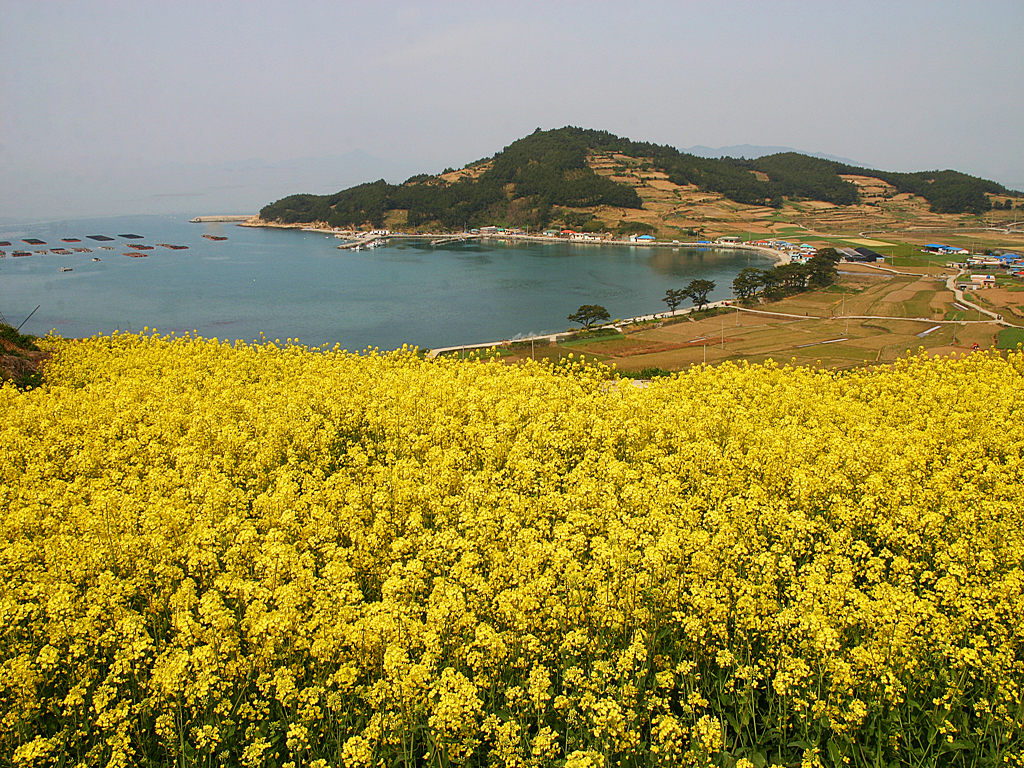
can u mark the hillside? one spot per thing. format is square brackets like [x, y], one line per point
[599, 181]
[20, 358]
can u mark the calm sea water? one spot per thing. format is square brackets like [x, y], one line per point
[294, 284]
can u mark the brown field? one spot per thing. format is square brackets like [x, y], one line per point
[882, 214]
[809, 328]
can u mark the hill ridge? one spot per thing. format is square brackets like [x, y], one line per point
[547, 175]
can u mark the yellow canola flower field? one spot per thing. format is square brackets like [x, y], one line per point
[268, 555]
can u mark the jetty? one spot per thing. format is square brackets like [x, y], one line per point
[453, 239]
[365, 241]
[231, 217]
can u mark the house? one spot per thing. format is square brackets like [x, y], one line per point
[943, 249]
[728, 239]
[985, 281]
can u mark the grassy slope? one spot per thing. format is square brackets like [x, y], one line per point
[20, 358]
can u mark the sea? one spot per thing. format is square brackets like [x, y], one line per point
[263, 283]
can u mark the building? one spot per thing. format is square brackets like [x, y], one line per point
[869, 255]
[943, 249]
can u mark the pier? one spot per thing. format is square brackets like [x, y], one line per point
[365, 241]
[230, 217]
[453, 239]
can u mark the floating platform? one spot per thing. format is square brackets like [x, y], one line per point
[100, 238]
[137, 255]
[5, 242]
[34, 241]
[131, 237]
[139, 247]
[70, 240]
[216, 238]
[173, 247]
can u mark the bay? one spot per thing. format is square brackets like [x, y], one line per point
[287, 283]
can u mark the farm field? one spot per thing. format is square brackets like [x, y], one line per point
[897, 225]
[258, 555]
[824, 328]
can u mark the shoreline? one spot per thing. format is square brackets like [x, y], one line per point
[554, 337]
[780, 257]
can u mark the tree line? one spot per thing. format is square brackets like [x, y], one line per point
[784, 279]
[781, 280]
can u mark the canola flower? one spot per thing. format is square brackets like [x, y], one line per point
[267, 555]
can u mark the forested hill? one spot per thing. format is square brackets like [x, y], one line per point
[525, 183]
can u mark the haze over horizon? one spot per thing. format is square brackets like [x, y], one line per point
[219, 107]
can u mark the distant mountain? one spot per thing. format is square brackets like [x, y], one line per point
[534, 180]
[752, 152]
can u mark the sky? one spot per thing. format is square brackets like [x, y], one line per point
[209, 106]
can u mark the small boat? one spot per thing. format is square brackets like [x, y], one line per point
[95, 258]
[66, 269]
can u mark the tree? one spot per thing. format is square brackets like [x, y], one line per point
[698, 291]
[747, 282]
[588, 314]
[793, 276]
[674, 297]
[822, 268]
[771, 284]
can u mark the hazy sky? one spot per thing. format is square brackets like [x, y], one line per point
[138, 106]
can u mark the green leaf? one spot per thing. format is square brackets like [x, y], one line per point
[835, 752]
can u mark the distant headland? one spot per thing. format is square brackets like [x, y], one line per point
[587, 181]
